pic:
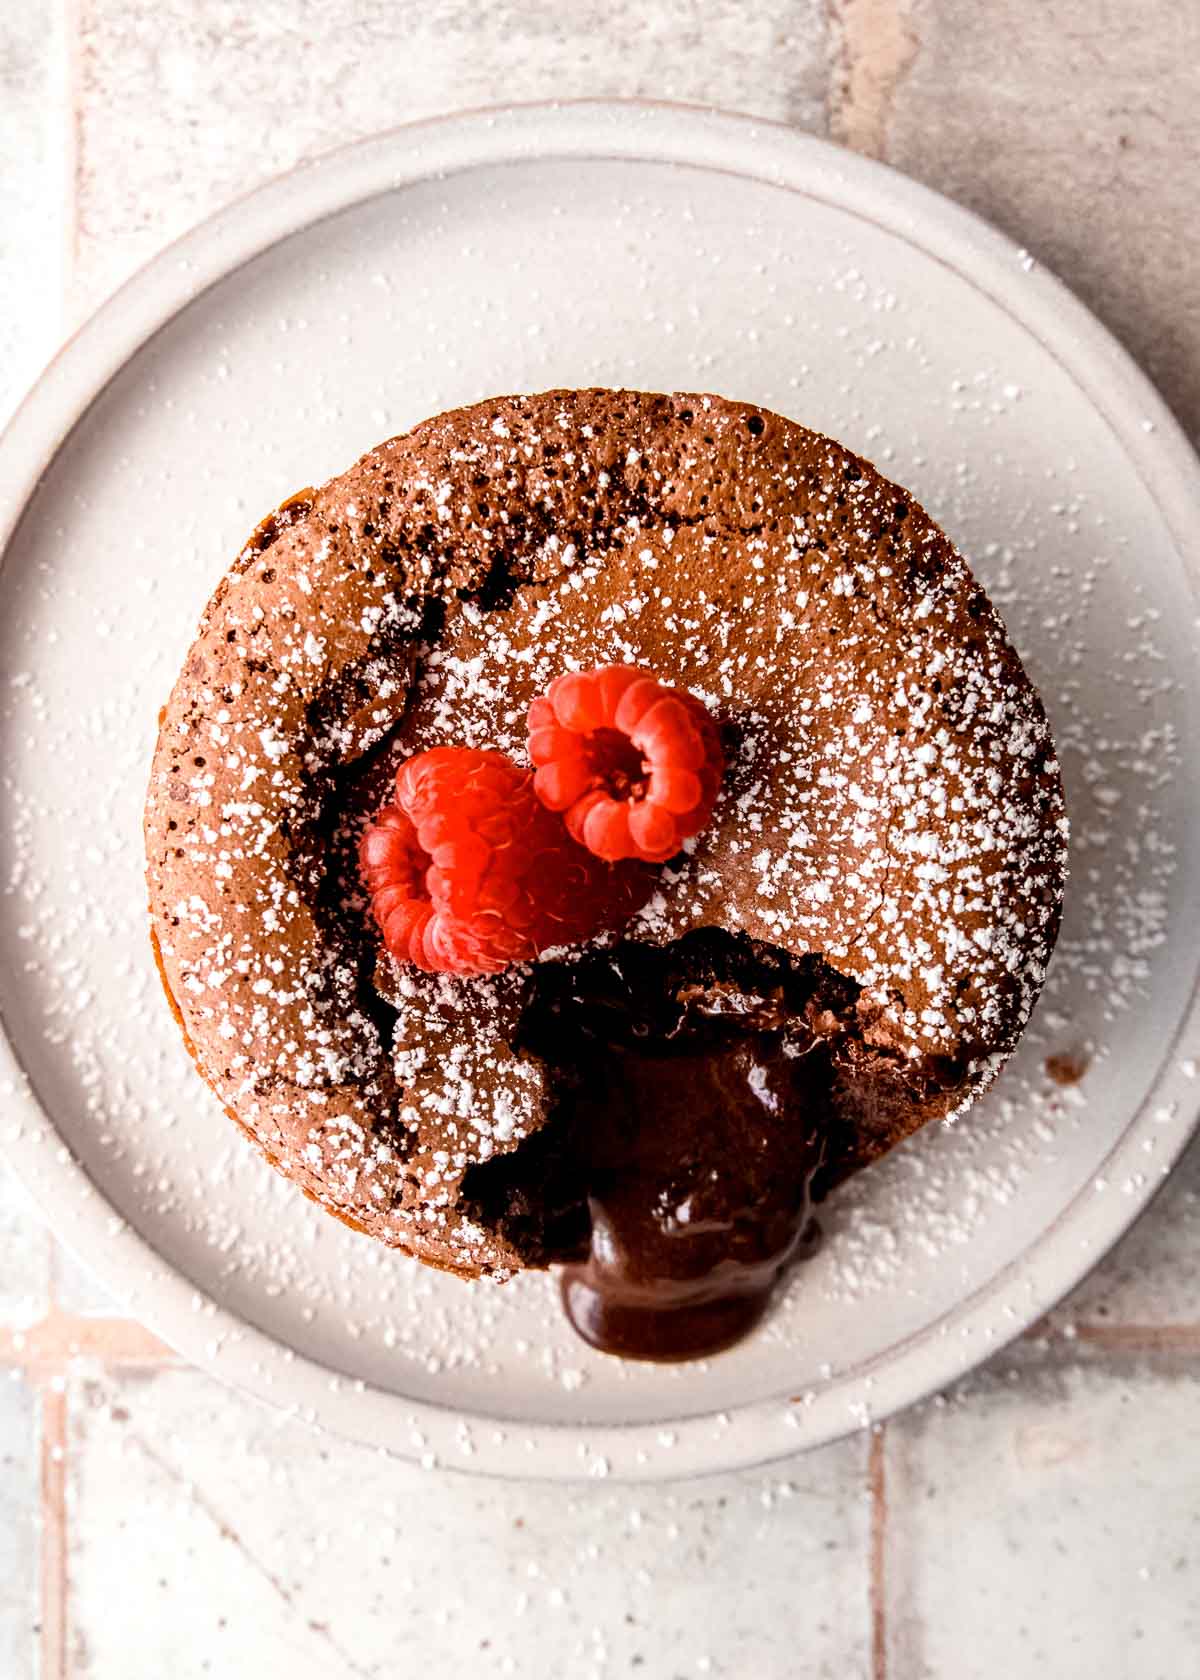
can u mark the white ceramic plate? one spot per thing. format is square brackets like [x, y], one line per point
[512, 251]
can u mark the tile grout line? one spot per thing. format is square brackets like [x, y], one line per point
[877, 1580]
[44, 1360]
[874, 45]
[50, 1344]
[53, 1589]
[1133, 1338]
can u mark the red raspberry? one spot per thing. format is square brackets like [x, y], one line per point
[469, 873]
[633, 765]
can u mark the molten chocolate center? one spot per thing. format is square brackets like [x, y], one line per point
[695, 1110]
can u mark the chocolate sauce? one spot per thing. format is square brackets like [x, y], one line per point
[698, 1196]
[1067, 1067]
[696, 1121]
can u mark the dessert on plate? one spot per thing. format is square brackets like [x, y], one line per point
[587, 831]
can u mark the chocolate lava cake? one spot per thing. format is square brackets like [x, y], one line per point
[848, 950]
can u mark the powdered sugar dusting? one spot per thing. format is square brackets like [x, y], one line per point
[81, 999]
[892, 802]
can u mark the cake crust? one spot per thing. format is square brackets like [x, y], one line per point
[893, 804]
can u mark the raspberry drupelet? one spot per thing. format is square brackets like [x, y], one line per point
[633, 765]
[469, 873]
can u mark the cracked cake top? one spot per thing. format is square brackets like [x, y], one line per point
[891, 804]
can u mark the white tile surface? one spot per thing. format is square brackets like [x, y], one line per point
[1046, 1522]
[18, 1537]
[24, 1258]
[76, 1290]
[1076, 128]
[209, 1537]
[34, 165]
[186, 106]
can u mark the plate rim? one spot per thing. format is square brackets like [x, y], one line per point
[143, 1279]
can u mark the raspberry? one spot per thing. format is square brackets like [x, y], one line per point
[633, 765]
[468, 872]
